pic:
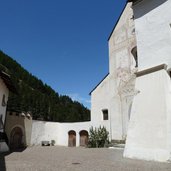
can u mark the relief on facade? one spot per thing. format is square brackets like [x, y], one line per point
[120, 36]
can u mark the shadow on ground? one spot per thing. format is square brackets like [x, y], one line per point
[3, 155]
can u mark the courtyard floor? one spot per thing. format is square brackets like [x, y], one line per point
[74, 159]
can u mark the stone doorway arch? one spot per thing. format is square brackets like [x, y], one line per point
[16, 138]
[71, 138]
[83, 138]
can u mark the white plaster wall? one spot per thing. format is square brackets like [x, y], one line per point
[43, 131]
[47, 131]
[104, 97]
[149, 133]
[3, 91]
[153, 31]
[64, 128]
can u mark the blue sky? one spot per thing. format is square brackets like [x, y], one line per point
[62, 42]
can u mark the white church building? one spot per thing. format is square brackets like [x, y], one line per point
[136, 94]
[133, 101]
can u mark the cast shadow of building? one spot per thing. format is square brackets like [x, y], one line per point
[139, 12]
[5, 154]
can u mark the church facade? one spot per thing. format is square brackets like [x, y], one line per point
[136, 94]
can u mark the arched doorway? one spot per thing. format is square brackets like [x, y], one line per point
[71, 138]
[16, 138]
[83, 138]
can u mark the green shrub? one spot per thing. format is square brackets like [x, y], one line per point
[98, 137]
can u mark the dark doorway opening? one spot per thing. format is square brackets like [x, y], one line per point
[71, 138]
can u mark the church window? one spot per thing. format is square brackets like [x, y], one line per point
[105, 114]
[134, 53]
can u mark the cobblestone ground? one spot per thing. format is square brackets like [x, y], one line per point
[75, 159]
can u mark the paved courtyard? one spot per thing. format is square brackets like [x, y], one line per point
[74, 159]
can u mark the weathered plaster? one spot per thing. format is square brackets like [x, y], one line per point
[112, 93]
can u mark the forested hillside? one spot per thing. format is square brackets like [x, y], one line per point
[38, 98]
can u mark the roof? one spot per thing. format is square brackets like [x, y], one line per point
[98, 84]
[117, 22]
[132, 0]
[7, 80]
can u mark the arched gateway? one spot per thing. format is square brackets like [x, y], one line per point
[83, 138]
[71, 138]
[16, 138]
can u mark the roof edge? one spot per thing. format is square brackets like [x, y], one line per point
[98, 84]
[117, 21]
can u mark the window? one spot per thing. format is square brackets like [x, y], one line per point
[3, 101]
[105, 114]
[1, 123]
[169, 72]
[134, 53]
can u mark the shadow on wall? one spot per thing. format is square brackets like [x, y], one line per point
[147, 6]
[2, 158]
[2, 162]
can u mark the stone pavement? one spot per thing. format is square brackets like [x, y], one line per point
[75, 159]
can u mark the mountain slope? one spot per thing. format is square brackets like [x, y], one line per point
[38, 98]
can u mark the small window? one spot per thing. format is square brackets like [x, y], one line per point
[169, 72]
[105, 114]
[3, 101]
[135, 55]
[1, 123]
[10, 113]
